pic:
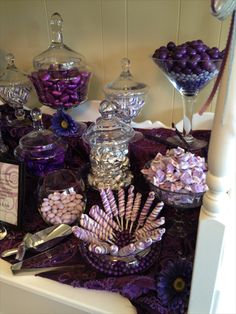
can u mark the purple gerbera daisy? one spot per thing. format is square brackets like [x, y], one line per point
[173, 285]
[63, 124]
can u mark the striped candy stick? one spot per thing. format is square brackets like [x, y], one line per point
[121, 202]
[135, 209]
[112, 202]
[129, 205]
[145, 209]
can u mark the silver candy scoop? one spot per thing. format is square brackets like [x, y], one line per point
[39, 241]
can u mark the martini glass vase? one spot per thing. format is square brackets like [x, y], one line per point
[189, 67]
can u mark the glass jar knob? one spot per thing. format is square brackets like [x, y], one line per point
[107, 109]
[36, 116]
[56, 23]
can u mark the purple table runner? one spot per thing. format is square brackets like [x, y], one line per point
[150, 292]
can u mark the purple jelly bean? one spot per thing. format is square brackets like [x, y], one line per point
[72, 86]
[76, 80]
[56, 93]
[65, 98]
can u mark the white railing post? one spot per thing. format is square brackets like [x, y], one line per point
[221, 163]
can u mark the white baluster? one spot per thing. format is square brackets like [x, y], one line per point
[213, 215]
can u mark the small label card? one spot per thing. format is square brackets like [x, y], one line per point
[11, 191]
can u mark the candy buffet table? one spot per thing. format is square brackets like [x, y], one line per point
[42, 295]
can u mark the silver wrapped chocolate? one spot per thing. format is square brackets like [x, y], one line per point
[108, 138]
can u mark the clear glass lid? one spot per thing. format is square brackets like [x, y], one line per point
[108, 128]
[59, 56]
[125, 83]
[39, 139]
[12, 75]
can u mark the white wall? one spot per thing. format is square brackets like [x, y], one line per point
[106, 30]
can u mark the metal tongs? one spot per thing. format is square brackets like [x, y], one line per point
[39, 241]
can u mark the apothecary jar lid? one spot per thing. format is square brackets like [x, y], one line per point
[125, 85]
[108, 128]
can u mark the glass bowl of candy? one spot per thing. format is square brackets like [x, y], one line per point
[122, 237]
[61, 197]
[189, 67]
[178, 178]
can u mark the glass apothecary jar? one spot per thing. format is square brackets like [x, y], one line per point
[15, 88]
[108, 139]
[61, 76]
[61, 197]
[129, 95]
[41, 150]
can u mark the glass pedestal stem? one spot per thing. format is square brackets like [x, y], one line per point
[188, 109]
[3, 147]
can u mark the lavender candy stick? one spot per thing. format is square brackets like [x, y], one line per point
[101, 213]
[85, 235]
[89, 224]
[145, 209]
[155, 235]
[129, 205]
[114, 249]
[121, 201]
[106, 203]
[143, 244]
[152, 225]
[155, 212]
[135, 209]
[127, 250]
[99, 248]
[100, 220]
[113, 205]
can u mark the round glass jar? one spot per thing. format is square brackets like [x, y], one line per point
[129, 95]
[15, 88]
[61, 197]
[41, 150]
[108, 139]
[61, 76]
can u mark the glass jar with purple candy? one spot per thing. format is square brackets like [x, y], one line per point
[41, 150]
[61, 197]
[61, 76]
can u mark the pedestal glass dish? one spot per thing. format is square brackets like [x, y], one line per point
[61, 76]
[129, 95]
[108, 139]
[41, 150]
[189, 67]
[15, 88]
[61, 197]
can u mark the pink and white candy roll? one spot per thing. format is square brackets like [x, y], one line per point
[146, 207]
[136, 206]
[129, 204]
[85, 235]
[99, 248]
[121, 202]
[106, 203]
[112, 202]
[101, 213]
[127, 250]
[155, 212]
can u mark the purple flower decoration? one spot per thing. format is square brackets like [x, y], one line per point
[173, 286]
[63, 124]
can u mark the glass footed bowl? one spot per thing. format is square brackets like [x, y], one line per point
[179, 200]
[61, 197]
[120, 266]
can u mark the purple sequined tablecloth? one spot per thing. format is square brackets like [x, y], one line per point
[140, 289]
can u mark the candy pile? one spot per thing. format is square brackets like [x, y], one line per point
[62, 207]
[122, 232]
[190, 65]
[110, 166]
[178, 171]
[59, 88]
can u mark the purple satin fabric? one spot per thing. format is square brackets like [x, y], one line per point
[140, 289]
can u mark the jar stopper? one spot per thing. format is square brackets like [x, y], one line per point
[36, 115]
[107, 109]
[56, 22]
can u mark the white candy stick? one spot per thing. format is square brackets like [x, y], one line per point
[145, 209]
[121, 202]
[135, 209]
[106, 203]
[129, 205]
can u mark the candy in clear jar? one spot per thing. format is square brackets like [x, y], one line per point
[108, 139]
